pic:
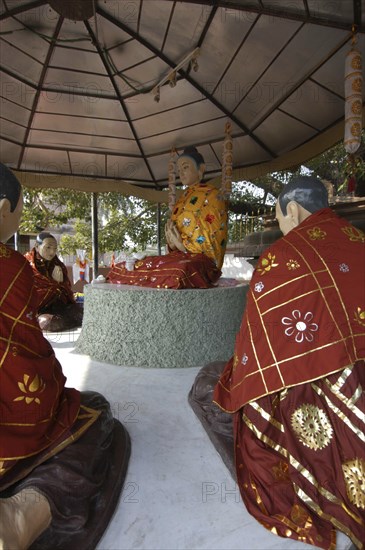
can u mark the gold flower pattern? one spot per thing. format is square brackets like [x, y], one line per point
[356, 63]
[267, 264]
[312, 426]
[4, 251]
[281, 471]
[356, 107]
[356, 129]
[360, 316]
[36, 386]
[356, 85]
[300, 516]
[354, 474]
[354, 234]
[292, 264]
[316, 234]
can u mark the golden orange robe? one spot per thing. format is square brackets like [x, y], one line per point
[201, 218]
[38, 414]
[296, 384]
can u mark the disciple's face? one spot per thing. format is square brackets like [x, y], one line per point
[48, 249]
[188, 171]
[285, 222]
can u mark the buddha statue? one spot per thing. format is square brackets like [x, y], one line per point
[196, 236]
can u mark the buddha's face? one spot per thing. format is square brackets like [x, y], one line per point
[188, 171]
[48, 248]
[285, 222]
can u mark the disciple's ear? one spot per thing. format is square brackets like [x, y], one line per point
[5, 209]
[293, 212]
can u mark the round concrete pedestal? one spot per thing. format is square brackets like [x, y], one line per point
[143, 327]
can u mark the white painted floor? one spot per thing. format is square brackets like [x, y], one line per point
[178, 494]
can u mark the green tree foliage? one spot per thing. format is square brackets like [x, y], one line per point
[131, 223]
[124, 222]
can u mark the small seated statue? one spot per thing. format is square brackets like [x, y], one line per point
[196, 236]
[57, 309]
[63, 457]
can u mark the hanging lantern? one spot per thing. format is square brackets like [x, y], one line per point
[227, 162]
[353, 98]
[172, 179]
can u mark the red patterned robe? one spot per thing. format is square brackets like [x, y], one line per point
[39, 416]
[296, 385]
[201, 218]
[48, 290]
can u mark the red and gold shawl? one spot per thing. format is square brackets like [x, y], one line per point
[305, 313]
[38, 415]
[176, 270]
[49, 290]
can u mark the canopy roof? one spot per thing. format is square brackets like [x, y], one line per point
[80, 82]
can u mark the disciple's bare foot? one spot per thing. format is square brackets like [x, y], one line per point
[23, 517]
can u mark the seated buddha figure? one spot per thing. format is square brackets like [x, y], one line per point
[57, 309]
[196, 236]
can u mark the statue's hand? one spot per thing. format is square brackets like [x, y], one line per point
[57, 274]
[173, 237]
[168, 235]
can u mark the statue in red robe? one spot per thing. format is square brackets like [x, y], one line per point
[47, 429]
[295, 384]
[57, 307]
[196, 236]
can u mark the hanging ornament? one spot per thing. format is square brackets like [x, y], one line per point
[353, 98]
[172, 179]
[227, 162]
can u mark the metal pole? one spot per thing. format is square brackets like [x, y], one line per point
[16, 241]
[94, 229]
[159, 228]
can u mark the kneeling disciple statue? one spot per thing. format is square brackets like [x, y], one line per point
[57, 309]
[63, 457]
[295, 385]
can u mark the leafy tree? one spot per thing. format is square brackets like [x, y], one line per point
[131, 223]
[124, 222]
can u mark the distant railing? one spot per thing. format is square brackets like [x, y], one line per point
[251, 222]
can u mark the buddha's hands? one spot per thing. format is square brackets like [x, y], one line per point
[57, 274]
[173, 237]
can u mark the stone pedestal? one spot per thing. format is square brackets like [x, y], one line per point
[161, 328]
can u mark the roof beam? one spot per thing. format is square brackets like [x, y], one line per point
[284, 97]
[187, 77]
[272, 12]
[22, 9]
[39, 88]
[120, 98]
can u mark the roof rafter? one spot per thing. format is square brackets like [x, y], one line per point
[290, 91]
[39, 88]
[334, 23]
[191, 81]
[119, 96]
[22, 9]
